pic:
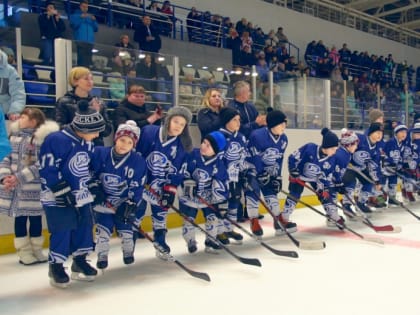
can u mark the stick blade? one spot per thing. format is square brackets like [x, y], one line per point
[196, 274]
[314, 245]
[374, 240]
[250, 261]
[387, 229]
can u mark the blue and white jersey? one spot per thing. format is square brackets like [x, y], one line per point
[394, 151]
[342, 159]
[267, 151]
[65, 157]
[312, 166]
[235, 154]
[121, 180]
[411, 154]
[165, 161]
[210, 177]
[367, 157]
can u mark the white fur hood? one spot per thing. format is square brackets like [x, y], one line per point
[41, 133]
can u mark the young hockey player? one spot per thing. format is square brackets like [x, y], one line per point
[122, 174]
[348, 145]
[314, 164]
[411, 160]
[65, 158]
[205, 187]
[266, 147]
[235, 159]
[366, 159]
[393, 162]
[164, 148]
[21, 185]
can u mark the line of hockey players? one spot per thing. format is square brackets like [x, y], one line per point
[158, 163]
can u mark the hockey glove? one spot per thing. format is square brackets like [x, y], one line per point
[168, 196]
[235, 191]
[276, 184]
[98, 194]
[63, 195]
[263, 178]
[340, 188]
[249, 176]
[127, 211]
[324, 196]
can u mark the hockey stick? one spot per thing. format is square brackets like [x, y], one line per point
[285, 253]
[200, 275]
[300, 244]
[248, 261]
[369, 239]
[408, 179]
[366, 221]
[392, 198]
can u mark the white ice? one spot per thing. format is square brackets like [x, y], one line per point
[349, 277]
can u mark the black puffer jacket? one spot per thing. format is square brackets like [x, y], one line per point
[139, 114]
[66, 109]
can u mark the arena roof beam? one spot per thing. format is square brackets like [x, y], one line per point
[415, 24]
[398, 10]
[363, 5]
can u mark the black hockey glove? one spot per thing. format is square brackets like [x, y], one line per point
[63, 195]
[127, 211]
[276, 184]
[235, 191]
[168, 196]
[340, 188]
[98, 193]
[263, 178]
[248, 176]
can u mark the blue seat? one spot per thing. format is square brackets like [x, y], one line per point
[40, 88]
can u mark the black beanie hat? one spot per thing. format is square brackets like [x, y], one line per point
[87, 120]
[329, 139]
[226, 114]
[275, 117]
[375, 127]
[217, 141]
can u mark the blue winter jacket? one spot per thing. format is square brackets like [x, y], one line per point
[83, 27]
[12, 89]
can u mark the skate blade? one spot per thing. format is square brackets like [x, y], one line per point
[210, 250]
[82, 277]
[163, 256]
[59, 285]
[279, 232]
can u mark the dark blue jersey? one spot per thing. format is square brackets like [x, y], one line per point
[267, 151]
[367, 157]
[123, 179]
[312, 166]
[235, 154]
[65, 157]
[165, 160]
[342, 159]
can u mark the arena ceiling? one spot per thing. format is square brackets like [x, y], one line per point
[405, 13]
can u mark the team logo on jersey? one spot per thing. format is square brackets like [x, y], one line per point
[113, 185]
[326, 165]
[234, 151]
[360, 157]
[270, 156]
[79, 164]
[159, 164]
[311, 170]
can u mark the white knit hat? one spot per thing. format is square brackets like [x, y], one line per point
[348, 137]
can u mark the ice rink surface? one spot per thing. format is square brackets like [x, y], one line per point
[349, 277]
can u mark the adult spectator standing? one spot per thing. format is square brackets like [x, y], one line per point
[234, 43]
[146, 36]
[208, 119]
[250, 119]
[51, 26]
[81, 81]
[281, 36]
[345, 54]
[134, 107]
[124, 55]
[193, 24]
[84, 26]
[12, 89]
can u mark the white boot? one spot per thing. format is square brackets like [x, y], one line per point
[37, 243]
[24, 250]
